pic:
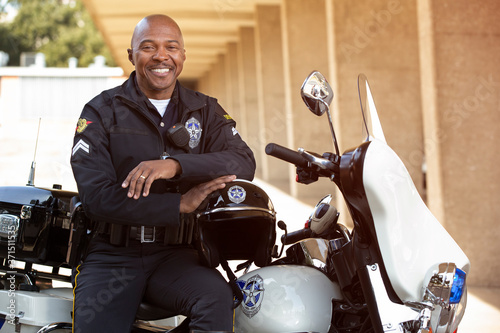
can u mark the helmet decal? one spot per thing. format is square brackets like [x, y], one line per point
[253, 293]
[194, 128]
[237, 194]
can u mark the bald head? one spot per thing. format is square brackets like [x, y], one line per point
[155, 20]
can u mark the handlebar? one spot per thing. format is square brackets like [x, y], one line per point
[323, 166]
[287, 155]
[295, 236]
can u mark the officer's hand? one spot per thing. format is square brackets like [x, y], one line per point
[142, 176]
[193, 198]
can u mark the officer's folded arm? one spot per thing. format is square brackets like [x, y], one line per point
[143, 175]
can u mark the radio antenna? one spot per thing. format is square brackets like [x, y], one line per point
[31, 178]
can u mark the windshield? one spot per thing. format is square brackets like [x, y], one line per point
[372, 129]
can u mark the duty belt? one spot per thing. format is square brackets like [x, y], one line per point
[122, 234]
[144, 234]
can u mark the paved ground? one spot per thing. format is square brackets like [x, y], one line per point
[482, 314]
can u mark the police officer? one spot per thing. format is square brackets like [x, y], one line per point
[145, 155]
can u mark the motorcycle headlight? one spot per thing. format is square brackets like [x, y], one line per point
[447, 291]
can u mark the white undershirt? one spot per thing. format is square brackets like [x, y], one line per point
[161, 105]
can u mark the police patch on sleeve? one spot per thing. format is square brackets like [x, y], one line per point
[194, 128]
[82, 125]
[81, 145]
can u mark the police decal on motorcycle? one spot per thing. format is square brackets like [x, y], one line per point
[253, 294]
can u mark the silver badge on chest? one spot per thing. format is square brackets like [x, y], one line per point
[194, 128]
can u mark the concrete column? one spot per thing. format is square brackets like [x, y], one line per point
[461, 75]
[221, 80]
[305, 48]
[248, 93]
[232, 87]
[203, 85]
[271, 106]
[380, 39]
[213, 83]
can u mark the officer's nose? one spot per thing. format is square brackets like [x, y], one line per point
[161, 54]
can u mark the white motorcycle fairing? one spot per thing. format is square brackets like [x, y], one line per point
[411, 239]
[285, 298]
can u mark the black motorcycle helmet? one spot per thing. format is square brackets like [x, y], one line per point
[237, 223]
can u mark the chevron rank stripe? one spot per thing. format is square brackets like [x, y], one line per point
[81, 145]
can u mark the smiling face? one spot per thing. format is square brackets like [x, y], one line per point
[158, 55]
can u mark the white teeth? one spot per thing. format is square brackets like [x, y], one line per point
[161, 70]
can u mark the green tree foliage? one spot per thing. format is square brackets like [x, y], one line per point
[58, 28]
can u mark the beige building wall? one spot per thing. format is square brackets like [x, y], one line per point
[232, 77]
[304, 50]
[462, 40]
[271, 93]
[249, 120]
[435, 77]
[380, 39]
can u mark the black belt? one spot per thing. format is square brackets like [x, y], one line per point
[147, 234]
[120, 234]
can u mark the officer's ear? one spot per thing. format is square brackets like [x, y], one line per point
[131, 56]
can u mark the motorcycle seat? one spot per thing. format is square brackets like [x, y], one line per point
[149, 312]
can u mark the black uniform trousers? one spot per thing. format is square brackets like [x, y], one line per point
[113, 281]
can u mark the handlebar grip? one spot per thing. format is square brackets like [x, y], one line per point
[295, 236]
[286, 154]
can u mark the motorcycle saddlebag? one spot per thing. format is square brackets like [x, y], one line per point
[34, 224]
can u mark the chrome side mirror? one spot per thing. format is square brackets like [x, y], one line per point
[316, 93]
